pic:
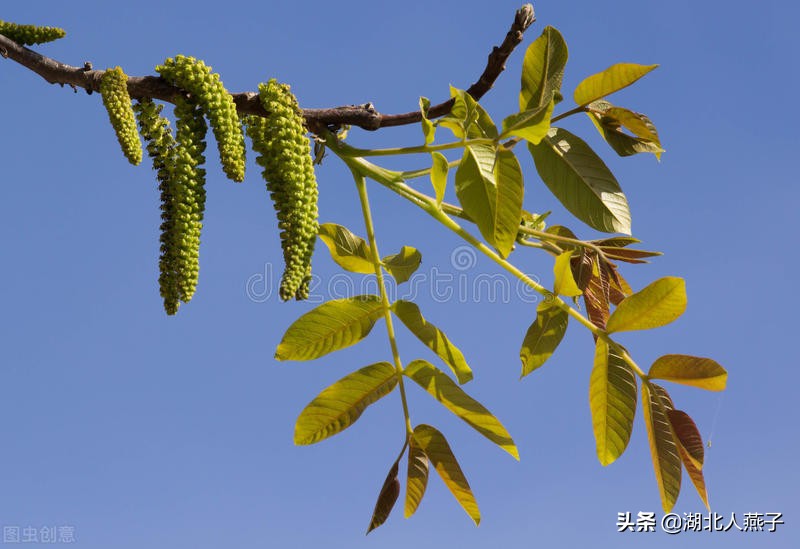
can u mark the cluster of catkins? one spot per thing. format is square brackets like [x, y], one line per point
[28, 35]
[284, 153]
[279, 139]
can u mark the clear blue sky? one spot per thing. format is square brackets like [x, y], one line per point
[141, 430]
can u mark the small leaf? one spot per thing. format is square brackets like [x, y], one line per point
[467, 118]
[453, 397]
[690, 370]
[404, 264]
[564, 283]
[596, 296]
[612, 398]
[656, 305]
[614, 78]
[349, 251]
[428, 128]
[663, 448]
[386, 498]
[417, 480]
[531, 125]
[543, 70]
[340, 405]
[435, 446]
[366, 168]
[433, 338]
[691, 449]
[581, 266]
[628, 255]
[439, 170]
[332, 326]
[580, 180]
[543, 336]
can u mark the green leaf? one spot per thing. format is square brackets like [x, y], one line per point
[435, 446]
[542, 70]
[428, 128]
[614, 78]
[581, 181]
[467, 119]
[433, 338]
[490, 188]
[690, 370]
[531, 125]
[663, 449]
[453, 397]
[543, 336]
[691, 449]
[386, 498]
[439, 170]
[349, 251]
[340, 405]
[612, 399]
[404, 264]
[610, 120]
[508, 200]
[417, 480]
[564, 282]
[656, 305]
[332, 326]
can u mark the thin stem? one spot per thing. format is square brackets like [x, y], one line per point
[387, 314]
[419, 148]
[570, 112]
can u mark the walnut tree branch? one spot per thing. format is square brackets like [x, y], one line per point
[363, 116]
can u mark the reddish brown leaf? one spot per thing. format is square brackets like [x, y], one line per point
[386, 498]
[581, 266]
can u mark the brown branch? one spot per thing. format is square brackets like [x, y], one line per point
[363, 116]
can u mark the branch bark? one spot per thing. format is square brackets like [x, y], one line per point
[363, 116]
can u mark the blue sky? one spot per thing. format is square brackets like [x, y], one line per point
[141, 430]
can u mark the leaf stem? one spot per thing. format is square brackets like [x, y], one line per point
[387, 307]
[352, 151]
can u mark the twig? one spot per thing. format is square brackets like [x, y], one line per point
[363, 116]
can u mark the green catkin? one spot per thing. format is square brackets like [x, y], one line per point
[181, 183]
[28, 35]
[285, 154]
[114, 89]
[207, 91]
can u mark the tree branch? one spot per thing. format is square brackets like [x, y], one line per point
[363, 116]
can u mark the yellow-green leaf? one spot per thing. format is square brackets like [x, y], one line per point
[690, 444]
[508, 201]
[433, 338]
[439, 170]
[435, 446]
[332, 326]
[581, 181]
[543, 336]
[612, 399]
[663, 448]
[690, 370]
[609, 121]
[403, 264]
[417, 480]
[542, 69]
[604, 83]
[531, 125]
[340, 405]
[564, 282]
[386, 498]
[443, 389]
[428, 128]
[349, 251]
[656, 305]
